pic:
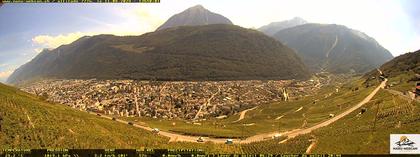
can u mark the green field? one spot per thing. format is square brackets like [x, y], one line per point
[403, 82]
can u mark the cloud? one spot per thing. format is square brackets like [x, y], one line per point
[5, 74]
[48, 41]
[38, 50]
[136, 21]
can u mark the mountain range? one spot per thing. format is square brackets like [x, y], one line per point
[198, 44]
[334, 48]
[408, 63]
[208, 52]
[274, 27]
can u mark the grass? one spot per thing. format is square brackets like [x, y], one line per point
[358, 133]
[403, 82]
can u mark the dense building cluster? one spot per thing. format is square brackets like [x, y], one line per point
[158, 99]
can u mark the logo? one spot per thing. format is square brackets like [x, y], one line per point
[404, 143]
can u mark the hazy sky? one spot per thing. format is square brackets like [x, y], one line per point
[25, 29]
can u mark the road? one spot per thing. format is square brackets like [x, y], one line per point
[207, 103]
[242, 115]
[295, 133]
[260, 137]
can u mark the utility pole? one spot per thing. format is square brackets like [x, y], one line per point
[243, 129]
[376, 116]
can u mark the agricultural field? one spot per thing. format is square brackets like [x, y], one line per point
[369, 133]
[29, 122]
[403, 82]
[298, 145]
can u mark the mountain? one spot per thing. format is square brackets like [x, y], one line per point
[409, 62]
[194, 16]
[334, 48]
[402, 72]
[27, 121]
[209, 52]
[274, 27]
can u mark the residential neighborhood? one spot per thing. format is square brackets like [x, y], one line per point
[169, 100]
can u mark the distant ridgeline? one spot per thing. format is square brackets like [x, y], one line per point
[404, 64]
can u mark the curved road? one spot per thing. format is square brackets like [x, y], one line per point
[242, 115]
[259, 137]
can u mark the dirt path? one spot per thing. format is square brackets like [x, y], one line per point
[311, 147]
[242, 115]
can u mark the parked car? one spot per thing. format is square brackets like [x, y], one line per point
[229, 141]
[276, 136]
[98, 114]
[200, 139]
[155, 130]
[130, 123]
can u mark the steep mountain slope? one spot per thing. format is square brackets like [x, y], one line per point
[196, 15]
[29, 122]
[274, 27]
[334, 48]
[210, 52]
[402, 64]
[402, 72]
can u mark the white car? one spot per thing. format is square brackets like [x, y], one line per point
[200, 139]
[155, 130]
[276, 136]
[229, 141]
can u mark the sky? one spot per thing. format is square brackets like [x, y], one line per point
[26, 29]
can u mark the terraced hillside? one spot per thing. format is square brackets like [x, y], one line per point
[29, 122]
[369, 133]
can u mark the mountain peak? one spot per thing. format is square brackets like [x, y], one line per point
[274, 27]
[197, 7]
[299, 19]
[194, 16]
